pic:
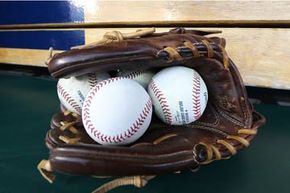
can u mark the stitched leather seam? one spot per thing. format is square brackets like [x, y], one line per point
[68, 98]
[230, 118]
[162, 101]
[196, 96]
[208, 128]
[119, 137]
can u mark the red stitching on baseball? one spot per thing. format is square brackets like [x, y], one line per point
[68, 98]
[133, 75]
[119, 137]
[162, 101]
[196, 96]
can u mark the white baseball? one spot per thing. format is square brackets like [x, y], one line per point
[117, 111]
[142, 77]
[179, 95]
[73, 91]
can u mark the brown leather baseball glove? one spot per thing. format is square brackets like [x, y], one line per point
[228, 124]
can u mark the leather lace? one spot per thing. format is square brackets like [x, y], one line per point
[117, 36]
[174, 54]
[229, 144]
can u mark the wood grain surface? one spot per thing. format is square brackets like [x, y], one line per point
[28, 57]
[104, 14]
[130, 11]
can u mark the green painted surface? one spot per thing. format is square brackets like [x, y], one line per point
[27, 104]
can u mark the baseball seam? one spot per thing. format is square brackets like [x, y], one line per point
[119, 137]
[133, 75]
[162, 101]
[92, 79]
[68, 98]
[196, 96]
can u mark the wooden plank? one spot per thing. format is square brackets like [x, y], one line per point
[167, 11]
[134, 24]
[262, 55]
[28, 57]
[100, 14]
